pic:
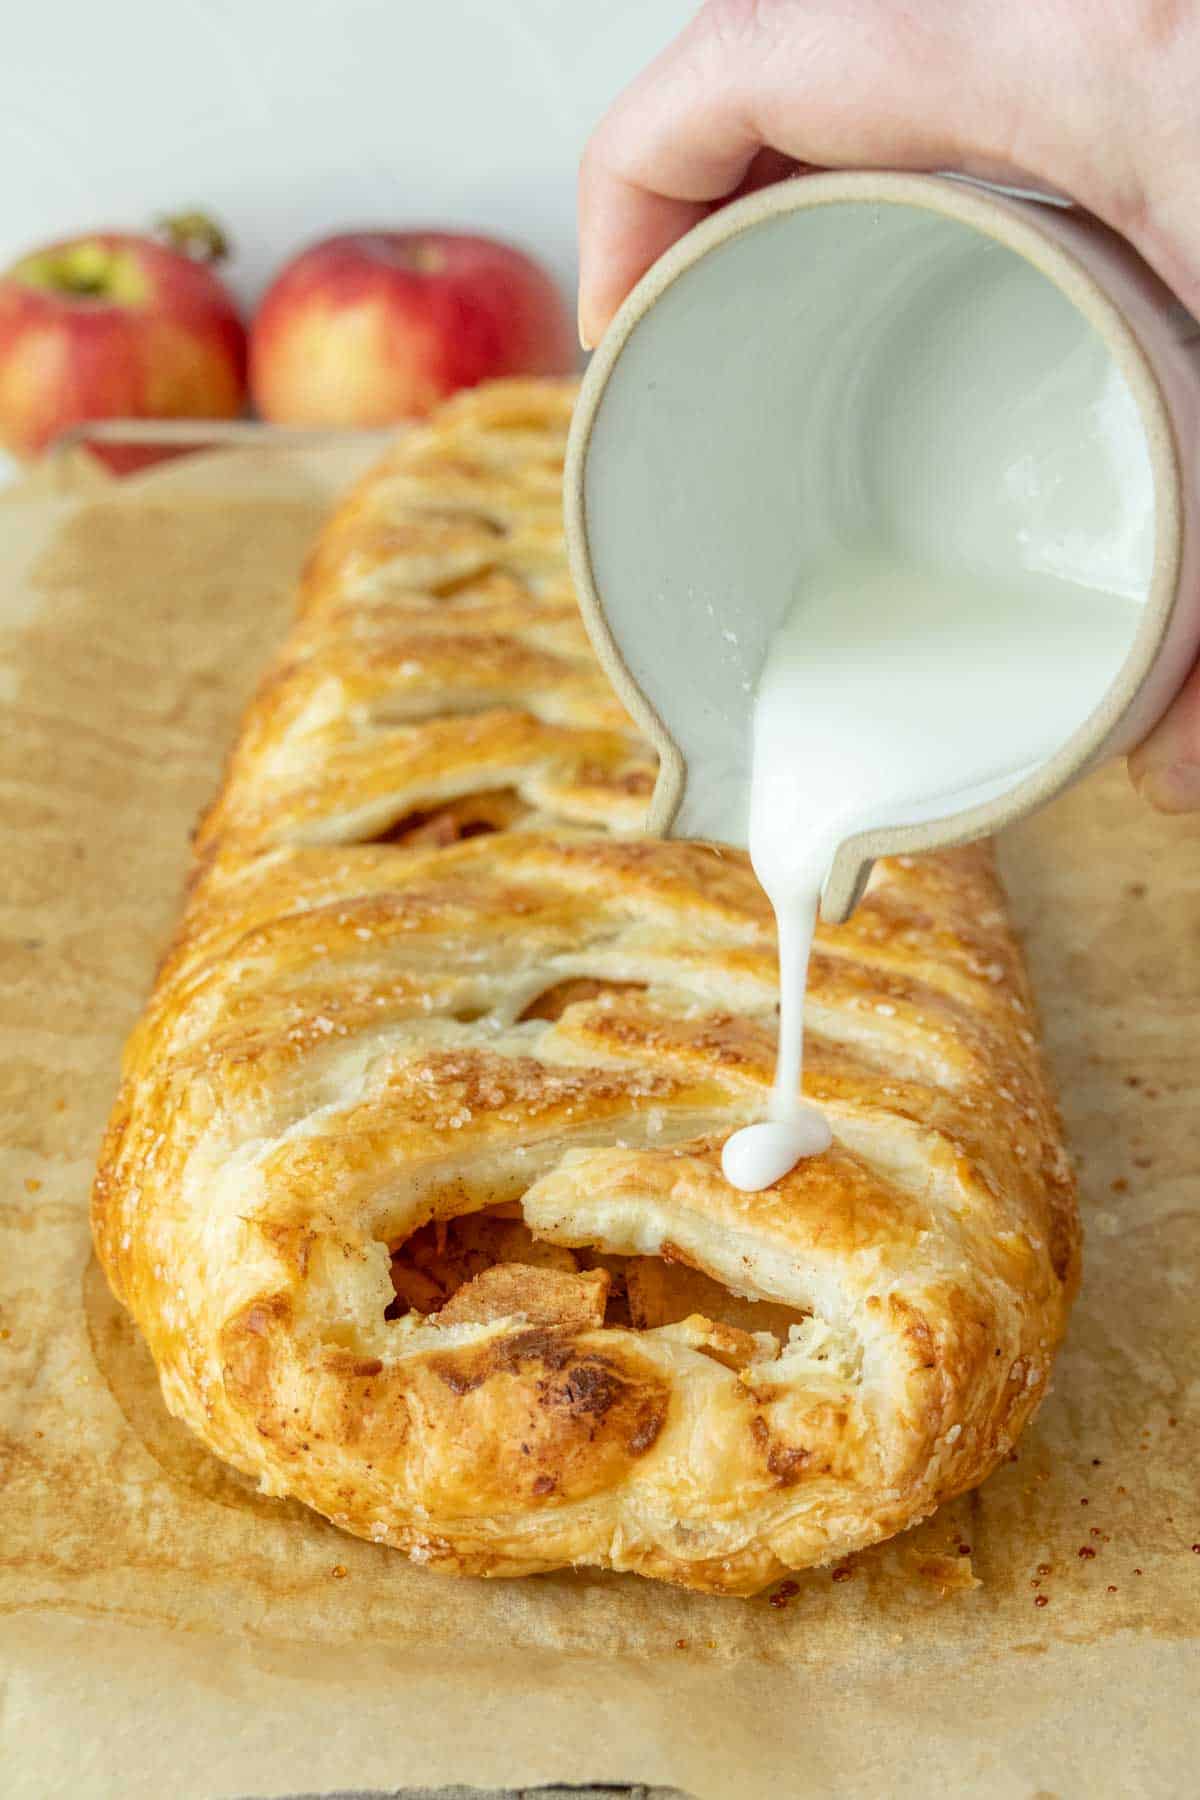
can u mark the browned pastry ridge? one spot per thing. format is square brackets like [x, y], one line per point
[413, 1182]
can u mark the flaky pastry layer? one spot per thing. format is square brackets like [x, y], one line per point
[413, 1182]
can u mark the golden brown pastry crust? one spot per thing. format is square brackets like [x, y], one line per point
[426, 969]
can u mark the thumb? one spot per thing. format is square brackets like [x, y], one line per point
[1165, 769]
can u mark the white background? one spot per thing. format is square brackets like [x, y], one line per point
[293, 118]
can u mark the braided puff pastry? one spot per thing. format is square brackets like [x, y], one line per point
[413, 1182]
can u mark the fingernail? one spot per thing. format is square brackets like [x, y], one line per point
[585, 342]
[1170, 787]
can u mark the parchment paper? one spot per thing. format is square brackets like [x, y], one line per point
[164, 1631]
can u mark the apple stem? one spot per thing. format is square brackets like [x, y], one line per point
[87, 287]
[195, 234]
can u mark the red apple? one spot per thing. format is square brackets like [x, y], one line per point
[379, 325]
[114, 326]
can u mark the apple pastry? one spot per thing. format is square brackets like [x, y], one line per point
[413, 1183]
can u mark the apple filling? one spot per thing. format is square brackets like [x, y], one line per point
[474, 815]
[553, 1002]
[489, 1265]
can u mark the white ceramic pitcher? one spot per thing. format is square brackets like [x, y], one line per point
[900, 348]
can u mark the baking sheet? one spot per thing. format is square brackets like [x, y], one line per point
[164, 1629]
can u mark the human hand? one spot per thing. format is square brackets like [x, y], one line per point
[1093, 99]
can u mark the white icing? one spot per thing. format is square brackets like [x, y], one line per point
[760, 1155]
[890, 695]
